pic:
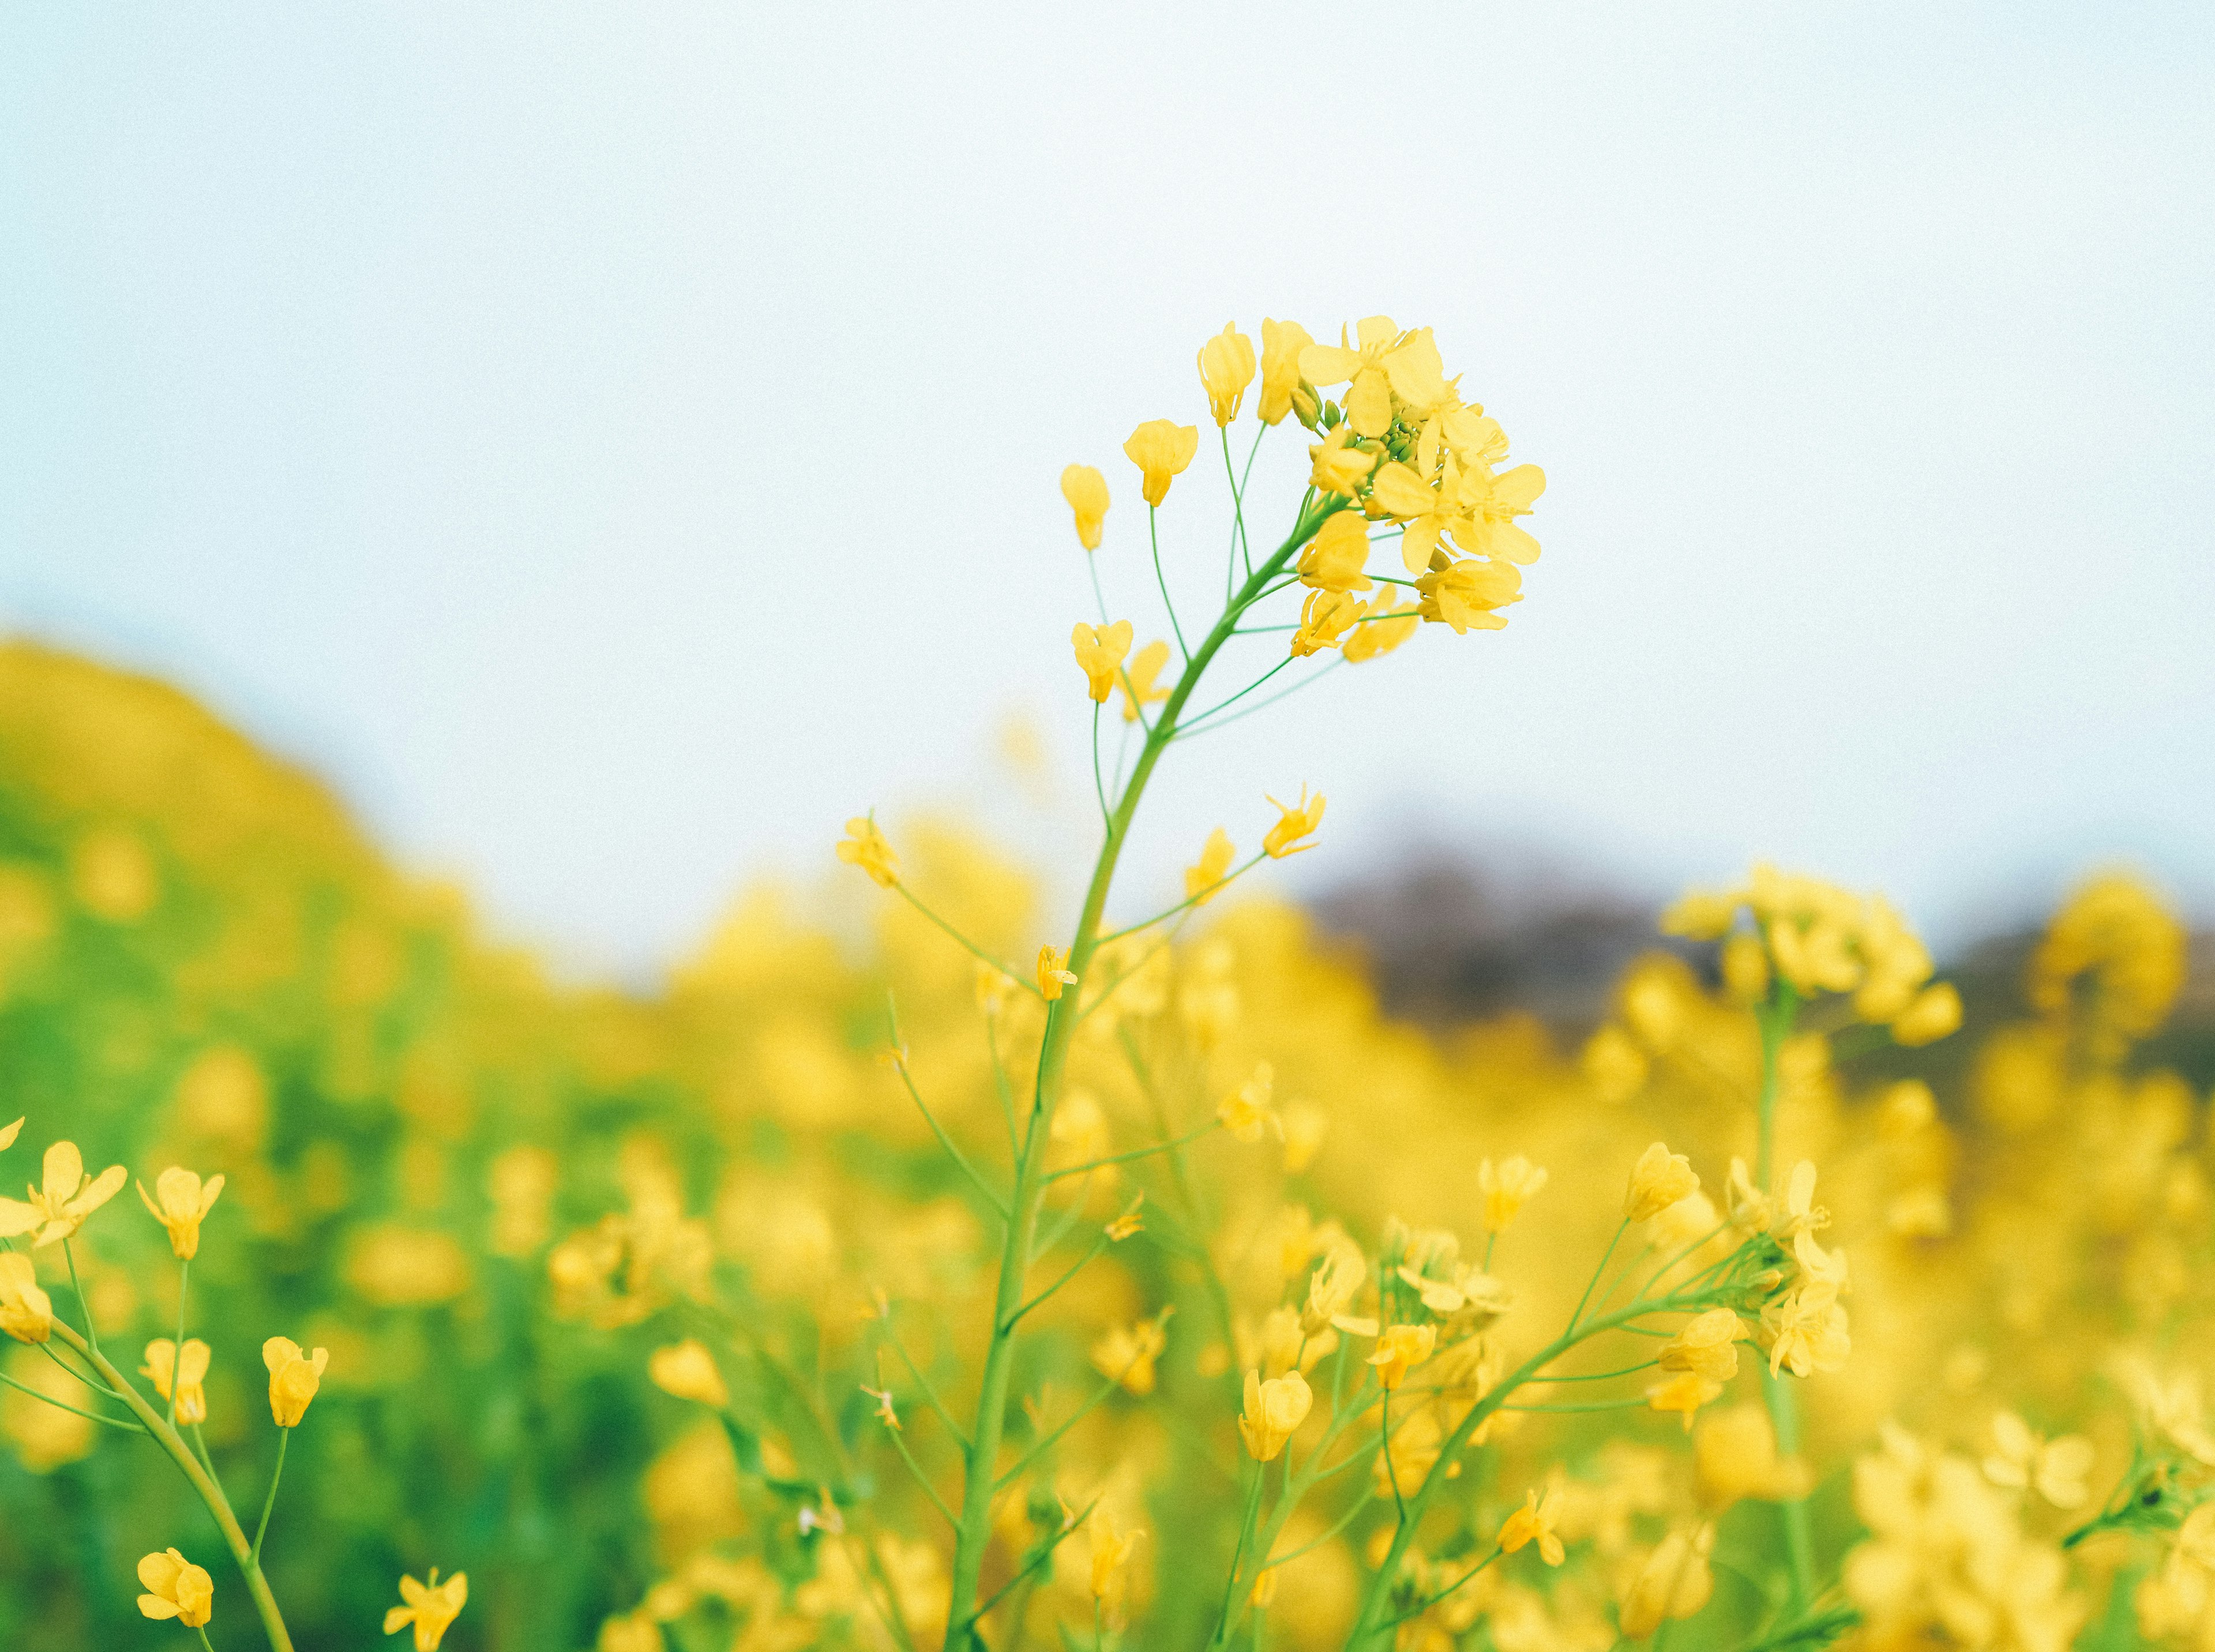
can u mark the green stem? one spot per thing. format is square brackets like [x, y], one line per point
[975, 1533]
[1586, 1298]
[1075, 1268]
[202, 1482]
[91, 1330]
[1153, 533]
[1137, 1153]
[1775, 1026]
[64, 1405]
[967, 944]
[177, 1370]
[269, 1503]
[1205, 895]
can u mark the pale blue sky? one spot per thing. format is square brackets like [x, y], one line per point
[615, 443]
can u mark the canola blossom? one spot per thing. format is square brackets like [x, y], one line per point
[1115, 1279]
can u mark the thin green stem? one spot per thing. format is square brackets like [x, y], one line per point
[205, 1642]
[1044, 1554]
[1431, 1601]
[1199, 899]
[1776, 1026]
[177, 1369]
[1099, 786]
[1238, 1553]
[1092, 566]
[1074, 1270]
[64, 1405]
[1202, 717]
[1621, 1228]
[91, 1330]
[269, 1503]
[900, 1443]
[991, 1196]
[1153, 533]
[1352, 1513]
[202, 1482]
[1264, 704]
[967, 944]
[1138, 1152]
[929, 1394]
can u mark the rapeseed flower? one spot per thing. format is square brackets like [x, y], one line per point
[1161, 448]
[56, 1209]
[1675, 1583]
[431, 1606]
[26, 1313]
[1337, 467]
[175, 1589]
[1334, 558]
[1400, 1348]
[1086, 490]
[1658, 1181]
[185, 1201]
[1324, 618]
[1390, 622]
[1246, 1111]
[1111, 1551]
[1227, 368]
[1466, 594]
[294, 1376]
[189, 1374]
[864, 846]
[1126, 1354]
[1505, 1188]
[1299, 821]
[1214, 864]
[1099, 650]
[1281, 344]
[1138, 681]
[1053, 971]
[688, 1371]
[1274, 1410]
[1531, 1524]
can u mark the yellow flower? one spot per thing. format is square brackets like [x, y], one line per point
[1324, 618]
[1428, 511]
[1110, 1551]
[175, 1589]
[185, 1203]
[1528, 1525]
[9, 1133]
[1706, 1345]
[1304, 1125]
[1614, 1064]
[1936, 1012]
[1332, 1287]
[58, 1209]
[1274, 1410]
[1137, 679]
[1735, 1456]
[1658, 1181]
[1302, 818]
[1675, 1582]
[1683, 1393]
[294, 1376]
[26, 1313]
[1382, 362]
[1399, 1349]
[1492, 504]
[1126, 1354]
[431, 1607]
[1281, 344]
[2054, 1468]
[1161, 448]
[162, 1367]
[1334, 558]
[1465, 593]
[1338, 467]
[1377, 634]
[1246, 1111]
[1131, 1222]
[1806, 1331]
[1505, 1188]
[865, 846]
[688, 1371]
[1215, 857]
[1227, 368]
[1086, 490]
[1100, 651]
[1053, 971]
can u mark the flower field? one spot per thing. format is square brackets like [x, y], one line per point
[921, 1267]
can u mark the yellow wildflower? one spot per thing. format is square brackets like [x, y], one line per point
[1246, 1111]
[1390, 620]
[1126, 1354]
[885, 1415]
[8, 1134]
[1099, 650]
[865, 846]
[1281, 344]
[1614, 1064]
[1302, 818]
[1136, 681]
[185, 1203]
[1227, 368]
[1337, 466]
[1806, 1331]
[432, 1607]
[1334, 558]
[1214, 864]
[59, 1208]
[294, 1376]
[688, 1371]
[1161, 448]
[1675, 1582]
[1683, 1393]
[1464, 594]
[162, 1367]
[1324, 618]
[175, 1589]
[1399, 1349]
[1658, 1181]
[1053, 971]
[1381, 363]
[1333, 1286]
[2055, 1468]
[1492, 504]
[1086, 490]
[26, 1313]
[1505, 1187]
[1274, 1410]
[1703, 914]
[1935, 1013]
[1528, 1525]
[1705, 1345]
[1111, 1549]
[1128, 1224]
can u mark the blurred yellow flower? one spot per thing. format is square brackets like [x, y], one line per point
[1705, 1345]
[1401, 1348]
[864, 846]
[1658, 1181]
[432, 1607]
[1531, 1524]
[185, 1203]
[1246, 1111]
[1111, 1549]
[2055, 1468]
[58, 1209]
[1138, 684]
[1054, 972]
[1086, 490]
[162, 1367]
[1099, 650]
[1161, 448]
[175, 1589]
[1675, 1583]
[1215, 857]
[294, 1376]
[1684, 1394]
[1281, 344]
[1274, 1410]
[1227, 368]
[1299, 821]
[1935, 1013]
[1390, 622]
[26, 1313]
[1126, 1354]
[688, 1371]
[1505, 1187]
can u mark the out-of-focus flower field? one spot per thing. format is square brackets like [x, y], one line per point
[204, 962]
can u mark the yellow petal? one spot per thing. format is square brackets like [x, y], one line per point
[1369, 403]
